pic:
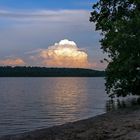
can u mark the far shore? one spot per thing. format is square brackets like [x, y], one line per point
[122, 124]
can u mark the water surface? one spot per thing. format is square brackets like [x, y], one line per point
[32, 103]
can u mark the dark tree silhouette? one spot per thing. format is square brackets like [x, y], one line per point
[48, 72]
[119, 22]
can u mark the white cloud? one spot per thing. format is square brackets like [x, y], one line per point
[63, 54]
[46, 15]
[24, 31]
[24, 34]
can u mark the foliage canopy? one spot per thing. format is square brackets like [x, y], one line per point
[18, 71]
[119, 22]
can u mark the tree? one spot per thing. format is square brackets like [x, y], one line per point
[119, 22]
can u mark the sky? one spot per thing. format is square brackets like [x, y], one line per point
[49, 33]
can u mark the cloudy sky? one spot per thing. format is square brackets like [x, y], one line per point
[49, 33]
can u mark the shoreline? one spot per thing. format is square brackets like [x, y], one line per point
[115, 125]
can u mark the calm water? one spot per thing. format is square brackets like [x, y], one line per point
[33, 103]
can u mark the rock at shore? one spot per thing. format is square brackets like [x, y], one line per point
[116, 125]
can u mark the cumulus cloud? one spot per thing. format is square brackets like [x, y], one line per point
[63, 54]
[12, 62]
[28, 30]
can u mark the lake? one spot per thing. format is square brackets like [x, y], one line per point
[32, 103]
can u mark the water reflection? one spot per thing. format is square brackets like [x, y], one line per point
[114, 104]
[66, 99]
[32, 103]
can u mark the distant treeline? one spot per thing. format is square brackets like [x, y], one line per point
[8, 71]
